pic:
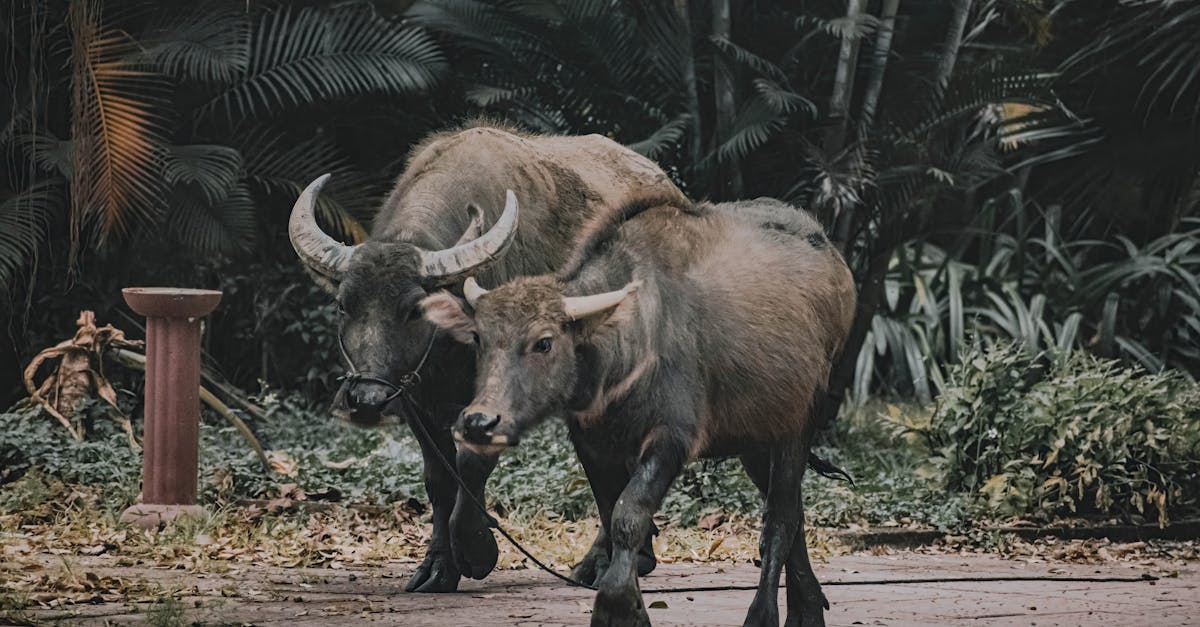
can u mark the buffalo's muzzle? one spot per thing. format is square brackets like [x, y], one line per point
[361, 403]
[476, 427]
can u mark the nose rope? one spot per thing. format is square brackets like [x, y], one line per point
[407, 380]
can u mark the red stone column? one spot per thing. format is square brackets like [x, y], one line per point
[170, 445]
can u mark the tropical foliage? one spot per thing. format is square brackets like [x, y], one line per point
[998, 169]
[1067, 436]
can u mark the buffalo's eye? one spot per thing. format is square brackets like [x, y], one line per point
[475, 337]
[414, 314]
[341, 309]
[543, 345]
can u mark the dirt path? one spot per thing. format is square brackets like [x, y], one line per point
[246, 594]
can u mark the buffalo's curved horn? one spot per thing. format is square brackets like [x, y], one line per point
[577, 307]
[472, 290]
[320, 252]
[449, 265]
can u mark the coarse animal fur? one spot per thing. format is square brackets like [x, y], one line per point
[728, 321]
[561, 183]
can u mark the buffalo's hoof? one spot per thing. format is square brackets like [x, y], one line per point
[476, 552]
[645, 559]
[437, 573]
[619, 608]
[808, 617]
[762, 615]
[592, 567]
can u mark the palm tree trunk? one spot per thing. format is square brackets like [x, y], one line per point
[843, 81]
[839, 103]
[883, 46]
[954, 35]
[729, 175]
[695, 140]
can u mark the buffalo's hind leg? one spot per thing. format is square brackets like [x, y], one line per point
[438, 572]
[778, 476]
[806, 604]
[606, 479]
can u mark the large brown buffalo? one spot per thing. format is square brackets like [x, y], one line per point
[674, 332]
[429, 235]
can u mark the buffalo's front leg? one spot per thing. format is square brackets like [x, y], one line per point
[619, 601]
[474, 546]
[606, 479]
[438, 572]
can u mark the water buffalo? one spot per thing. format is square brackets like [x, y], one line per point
[674, 332]
[429, 234]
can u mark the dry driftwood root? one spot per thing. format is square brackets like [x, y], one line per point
[79, 375]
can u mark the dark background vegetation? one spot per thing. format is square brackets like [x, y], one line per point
[995, 171]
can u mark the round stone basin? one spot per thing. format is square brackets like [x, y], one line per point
[171, 302]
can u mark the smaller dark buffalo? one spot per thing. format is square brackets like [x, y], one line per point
[673, 333]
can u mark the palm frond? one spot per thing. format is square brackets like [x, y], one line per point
[665, 137]
[222, 227]
[755, 124]
[51, 154]
[213, 169]
[744, 57]
[1159, 38]
[308, 56]
[781, 99]
[25, 221]
[207, 44]
[117, 135]
[281, 167]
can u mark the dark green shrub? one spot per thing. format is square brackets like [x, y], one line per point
[1043, 437]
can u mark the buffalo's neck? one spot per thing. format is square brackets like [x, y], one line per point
[618, 360]
[447, 381]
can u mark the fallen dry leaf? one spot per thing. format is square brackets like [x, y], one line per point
[282, 463]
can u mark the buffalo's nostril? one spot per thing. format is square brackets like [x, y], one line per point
[367, 396]
[477, 426]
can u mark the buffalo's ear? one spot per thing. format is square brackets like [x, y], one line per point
[446, 312]
[474, 225]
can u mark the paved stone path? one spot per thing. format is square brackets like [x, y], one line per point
[266, 595]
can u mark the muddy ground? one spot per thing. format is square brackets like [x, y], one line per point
[242, 594]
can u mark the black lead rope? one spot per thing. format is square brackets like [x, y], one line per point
[420, 417]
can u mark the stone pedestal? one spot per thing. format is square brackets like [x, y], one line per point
[172, 423]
